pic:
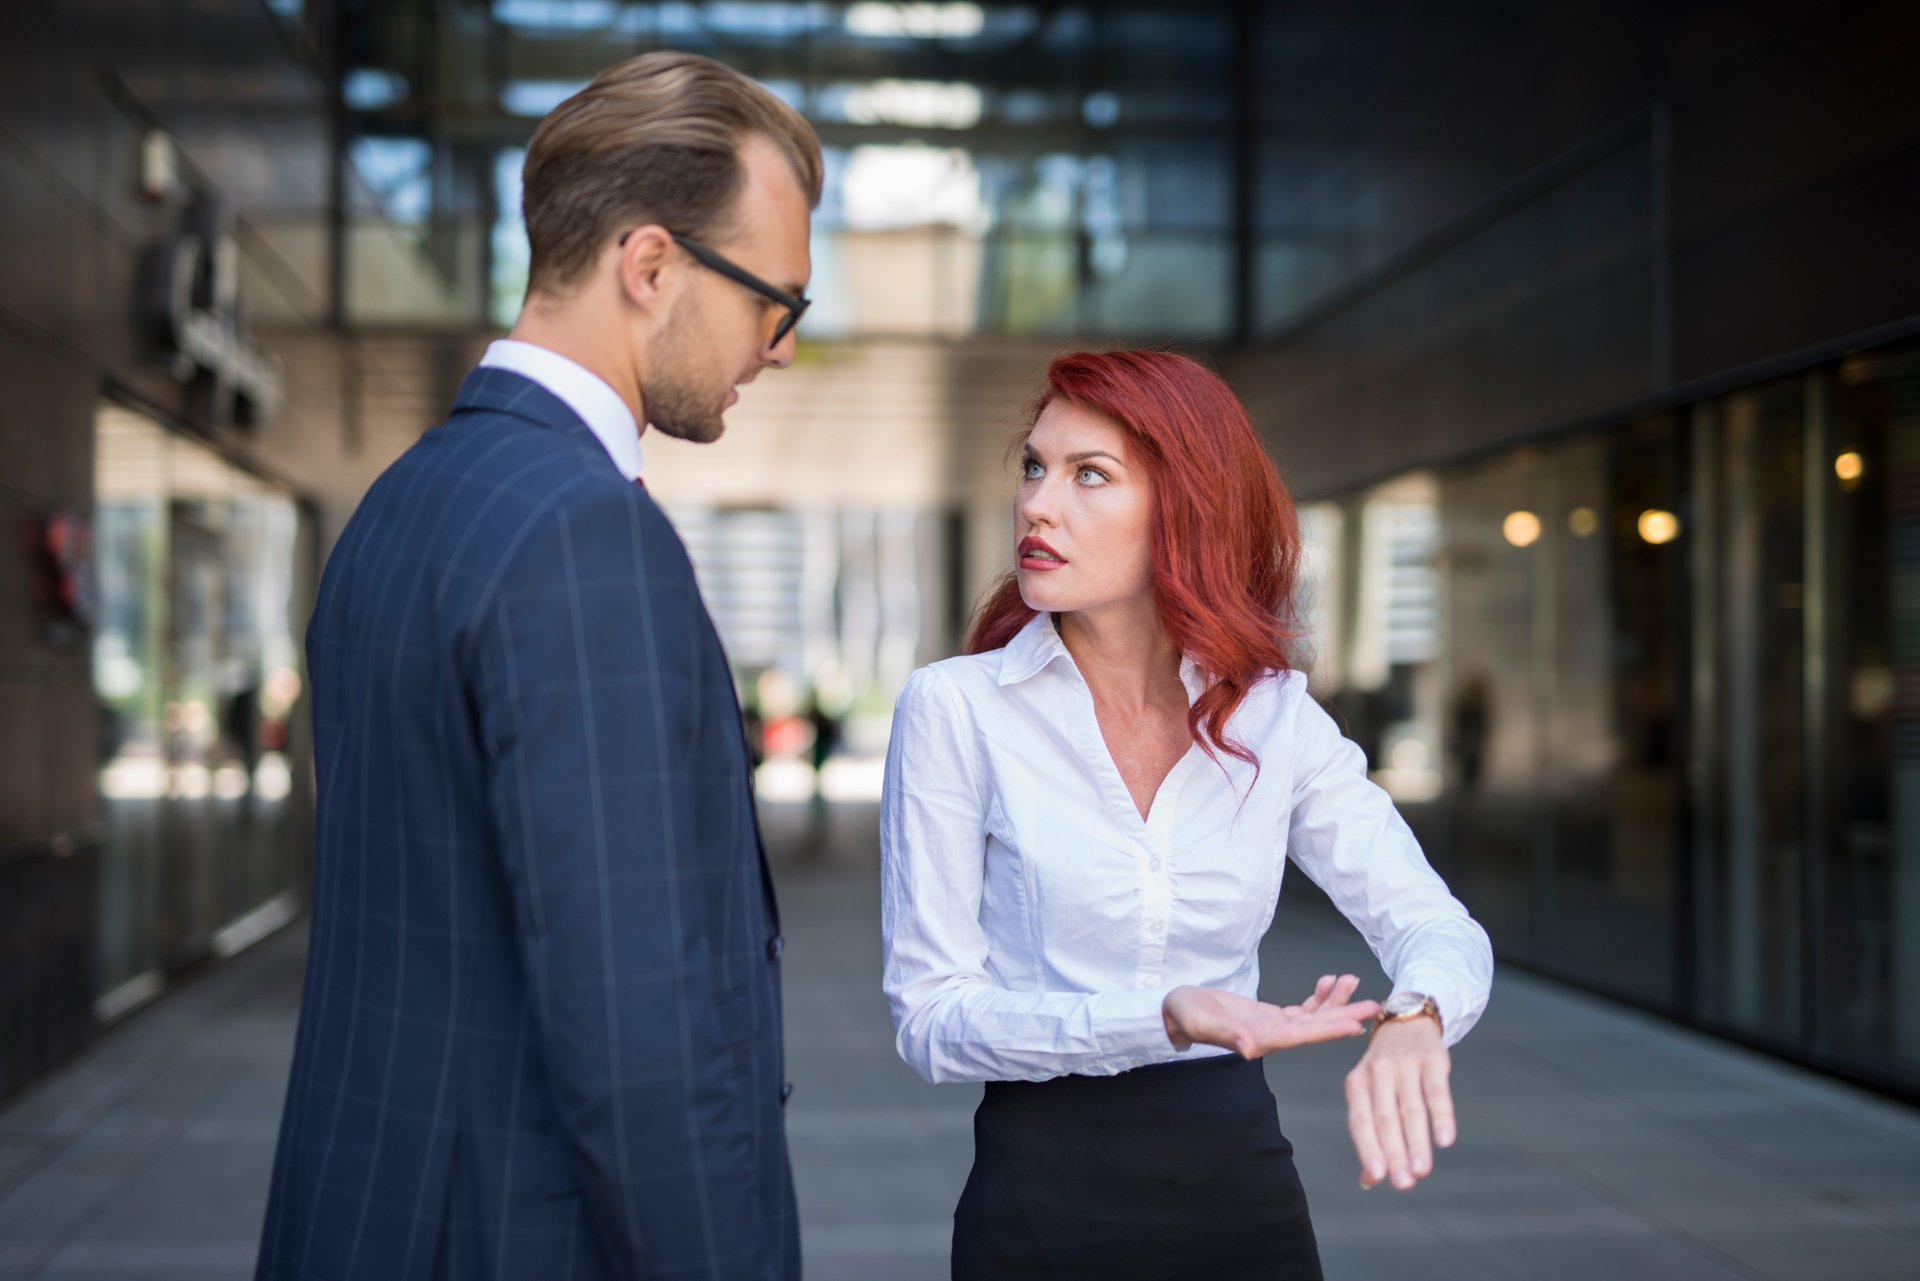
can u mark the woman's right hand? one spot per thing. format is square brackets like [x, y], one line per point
[1253, 1029]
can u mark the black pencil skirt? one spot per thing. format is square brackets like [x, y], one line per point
[1163, 1173]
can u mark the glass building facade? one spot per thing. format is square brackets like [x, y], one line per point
[1009, 169]
[1650, 694]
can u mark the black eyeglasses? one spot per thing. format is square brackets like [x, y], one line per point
[796, 305]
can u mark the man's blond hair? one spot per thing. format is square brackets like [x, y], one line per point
[654, 139]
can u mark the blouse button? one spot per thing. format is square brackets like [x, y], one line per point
[1157, 928]
[1153, 865]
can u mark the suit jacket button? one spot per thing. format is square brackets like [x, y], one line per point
[786, 1092]
[775, 946]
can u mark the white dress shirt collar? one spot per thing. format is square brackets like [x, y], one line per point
[1031, 649]
[581, 390]
[1038, 644]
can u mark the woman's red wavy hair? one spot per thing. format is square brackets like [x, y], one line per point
[1226, 541]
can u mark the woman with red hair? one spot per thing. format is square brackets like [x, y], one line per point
[1083, 831]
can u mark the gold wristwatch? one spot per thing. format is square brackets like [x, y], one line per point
[1402, 1006]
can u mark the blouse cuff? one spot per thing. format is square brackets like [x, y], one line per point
[1130, 1027]
[1447, 998]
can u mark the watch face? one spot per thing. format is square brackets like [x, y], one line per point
[1402, 1003]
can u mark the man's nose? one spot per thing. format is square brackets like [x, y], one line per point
[780, 354]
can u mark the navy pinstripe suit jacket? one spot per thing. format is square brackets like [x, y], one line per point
[541, 1030]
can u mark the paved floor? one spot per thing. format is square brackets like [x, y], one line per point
[1595, 1142]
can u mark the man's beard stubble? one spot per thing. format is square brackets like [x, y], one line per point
[673, 404]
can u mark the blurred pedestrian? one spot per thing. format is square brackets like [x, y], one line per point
[826, 736]
[1472, 727]
[824, 741]
[541, 1031]
[754, 725]
[1084, 826]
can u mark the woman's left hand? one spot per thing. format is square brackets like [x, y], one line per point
[1399, 1105]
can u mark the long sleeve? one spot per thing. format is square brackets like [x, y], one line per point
[953, 1022]
[1345, 833]
[588, 666]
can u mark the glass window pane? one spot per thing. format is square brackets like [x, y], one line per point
[129, 520]
[1614, 542]
[1752, 858]
[1490, 530]
[1869, 946]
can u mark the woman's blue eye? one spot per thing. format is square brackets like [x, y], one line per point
[1033, 470]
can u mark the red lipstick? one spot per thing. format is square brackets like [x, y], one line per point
[1035, 554]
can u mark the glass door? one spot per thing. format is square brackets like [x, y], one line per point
[203, 780]
[130, 540]
[1866, 464]
[198, 830]
[1750, 844]
[1614, 641]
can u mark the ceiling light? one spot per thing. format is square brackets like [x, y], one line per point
[1521, 529]
[1658, 527]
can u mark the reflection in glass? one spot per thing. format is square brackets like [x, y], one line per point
[1753, 939]
[1614, 662]
[1869, 950]
[1369, 599]
[1494, 691]
[197, 673]
[1679, 720]
[130, 485]
[919, 21]
[1051, 170]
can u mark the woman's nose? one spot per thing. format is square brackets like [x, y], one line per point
[1036, 506]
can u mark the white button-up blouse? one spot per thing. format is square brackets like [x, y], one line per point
[1033, 923]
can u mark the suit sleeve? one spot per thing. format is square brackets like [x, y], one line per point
[587, 664]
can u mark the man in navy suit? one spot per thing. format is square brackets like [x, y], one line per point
[541, 1030]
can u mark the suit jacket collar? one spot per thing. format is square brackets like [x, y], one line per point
[502, 391]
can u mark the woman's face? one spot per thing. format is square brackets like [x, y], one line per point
[1082, 516]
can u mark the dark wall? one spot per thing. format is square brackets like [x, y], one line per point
[80, 84]
[1478, 222]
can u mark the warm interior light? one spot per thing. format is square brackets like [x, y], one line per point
[1849, 466]
[1658, 526]
[1583, 521]
[1521, 528]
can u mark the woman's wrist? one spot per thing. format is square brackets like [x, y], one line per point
[1415, 1031]
[1174, 1036]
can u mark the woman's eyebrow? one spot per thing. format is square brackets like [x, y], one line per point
[1028, 451]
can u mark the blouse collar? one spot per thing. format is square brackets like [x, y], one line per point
[1038, 645]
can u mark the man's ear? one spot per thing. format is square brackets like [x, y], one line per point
[646, 266]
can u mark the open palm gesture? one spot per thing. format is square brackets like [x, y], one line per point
[1253, 1028]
